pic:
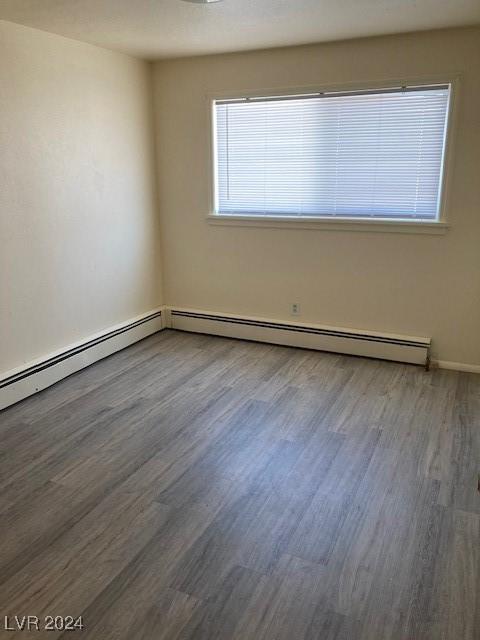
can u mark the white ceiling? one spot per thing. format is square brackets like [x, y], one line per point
[168, 28]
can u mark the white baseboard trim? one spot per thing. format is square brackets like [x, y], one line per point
[456, 366]
[19, 383]
[24, 381]
[371, 344]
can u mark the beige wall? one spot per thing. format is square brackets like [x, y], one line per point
[412, 284]
[80, 243]
[78, 217]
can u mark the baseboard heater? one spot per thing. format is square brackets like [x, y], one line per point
[322, 338]
[25, 381]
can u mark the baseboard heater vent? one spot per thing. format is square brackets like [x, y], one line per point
[347, 341]
[27, 380]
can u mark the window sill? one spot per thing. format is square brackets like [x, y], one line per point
[329, 224]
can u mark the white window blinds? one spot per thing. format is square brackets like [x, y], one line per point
[363, 154]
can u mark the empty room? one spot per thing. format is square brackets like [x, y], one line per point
[240, 319]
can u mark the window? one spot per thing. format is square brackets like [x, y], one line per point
[361, 155]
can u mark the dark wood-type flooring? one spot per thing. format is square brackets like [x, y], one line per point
[193, 487]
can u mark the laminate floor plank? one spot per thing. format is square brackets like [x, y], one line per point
[72, 570]
[77, 385]
[193, 487]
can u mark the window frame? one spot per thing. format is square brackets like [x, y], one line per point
[439, 226]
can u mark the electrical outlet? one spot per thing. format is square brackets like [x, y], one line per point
[295, 309]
